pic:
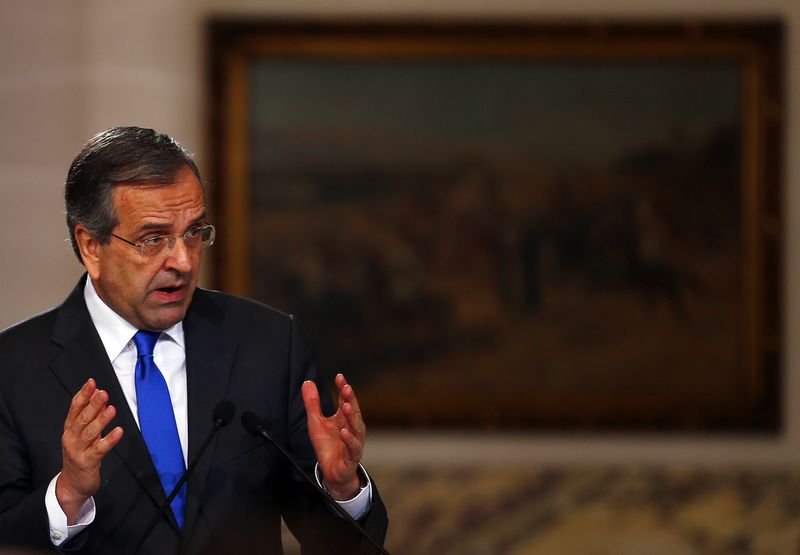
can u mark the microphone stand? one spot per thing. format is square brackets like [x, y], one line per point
[223, 414]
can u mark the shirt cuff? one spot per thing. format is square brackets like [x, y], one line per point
[59, 530]
[359, 505]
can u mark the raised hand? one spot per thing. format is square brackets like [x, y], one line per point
[83, 448]
[338, 441]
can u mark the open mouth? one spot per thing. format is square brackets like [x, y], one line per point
[171, 294]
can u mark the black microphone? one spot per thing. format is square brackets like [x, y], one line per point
[222, 416]
[253, 424]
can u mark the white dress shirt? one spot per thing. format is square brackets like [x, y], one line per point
[169, 355]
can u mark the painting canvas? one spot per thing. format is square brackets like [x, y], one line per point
[559, 240]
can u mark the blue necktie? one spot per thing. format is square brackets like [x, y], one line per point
[157, 421]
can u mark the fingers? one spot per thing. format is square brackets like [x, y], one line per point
[349, 414]
[88, 416]
[355, 424]
[91, 420]
[355, 446]
[103, 446]
[79, 401]
[95, 426]
[311, 400]
[350, 408]
[346, 393]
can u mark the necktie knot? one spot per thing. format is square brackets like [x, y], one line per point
[145, 342]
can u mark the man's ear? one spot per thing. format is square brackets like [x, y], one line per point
[89, 248]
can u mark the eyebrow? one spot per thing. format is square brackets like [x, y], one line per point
[158, 227]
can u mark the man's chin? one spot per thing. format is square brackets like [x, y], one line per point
[164, 317]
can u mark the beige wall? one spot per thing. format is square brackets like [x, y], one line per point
[70, 68]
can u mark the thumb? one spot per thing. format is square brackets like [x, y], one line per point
[311, 400]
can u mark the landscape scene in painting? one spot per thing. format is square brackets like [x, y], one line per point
[507, 244]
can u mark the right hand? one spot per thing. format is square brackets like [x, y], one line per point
[83, 448]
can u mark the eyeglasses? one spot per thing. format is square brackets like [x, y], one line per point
[196, 237]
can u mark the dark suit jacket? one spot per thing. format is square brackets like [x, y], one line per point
[236, 349]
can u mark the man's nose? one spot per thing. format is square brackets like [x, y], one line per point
[179, 257]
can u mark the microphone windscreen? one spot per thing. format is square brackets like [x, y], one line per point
[223, 412]
[251, 423]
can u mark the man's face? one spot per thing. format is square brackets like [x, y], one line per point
[151, 293]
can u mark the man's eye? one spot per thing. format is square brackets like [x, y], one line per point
[153, 241]
[193, 233]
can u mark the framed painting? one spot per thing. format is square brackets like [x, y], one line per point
[553, 225]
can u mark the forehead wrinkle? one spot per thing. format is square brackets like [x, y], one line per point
[160, 219]
[143, 208]
[158, 226]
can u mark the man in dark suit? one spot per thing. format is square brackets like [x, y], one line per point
[104, 399]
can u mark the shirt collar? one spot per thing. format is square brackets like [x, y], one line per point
[115, 332]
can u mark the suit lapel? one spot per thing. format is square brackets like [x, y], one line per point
[82, 356]
[209, 360]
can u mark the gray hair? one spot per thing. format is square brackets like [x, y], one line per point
[121, 155]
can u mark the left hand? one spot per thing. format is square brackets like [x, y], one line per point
[338, 441]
